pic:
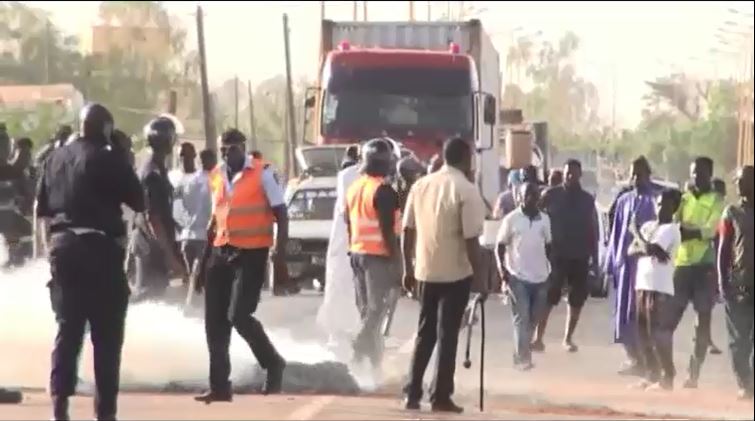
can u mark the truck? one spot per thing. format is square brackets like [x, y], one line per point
[418, 83]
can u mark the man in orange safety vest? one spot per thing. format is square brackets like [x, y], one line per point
[373, 221]
[247, 202]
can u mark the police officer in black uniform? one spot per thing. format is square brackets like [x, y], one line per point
[154, 245]
[81, 192]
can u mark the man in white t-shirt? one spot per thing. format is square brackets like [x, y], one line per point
[522, 254]
[654, 285]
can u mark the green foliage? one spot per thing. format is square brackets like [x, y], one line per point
[132, 86]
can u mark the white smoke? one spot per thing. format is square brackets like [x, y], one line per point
[162, 346]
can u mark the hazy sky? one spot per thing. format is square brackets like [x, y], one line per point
[628, 42]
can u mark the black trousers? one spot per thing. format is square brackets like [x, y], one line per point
[692, 284]
[739, 324]
[440, 319]
[232, 293]
[88, 286]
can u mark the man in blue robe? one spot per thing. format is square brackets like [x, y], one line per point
[632, 209]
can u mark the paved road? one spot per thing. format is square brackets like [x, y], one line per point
[162, 344]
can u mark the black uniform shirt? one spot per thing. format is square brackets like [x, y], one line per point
[158, 193]
[83, 186]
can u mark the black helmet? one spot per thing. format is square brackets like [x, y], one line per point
[377, 157]
[96, 121]
[160, 132]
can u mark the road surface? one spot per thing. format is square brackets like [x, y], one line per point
[582, 385]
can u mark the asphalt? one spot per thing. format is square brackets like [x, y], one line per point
[582, 385]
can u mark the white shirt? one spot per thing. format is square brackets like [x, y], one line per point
[273, 190]
[653, 275]
[525, 240]
[192, 207]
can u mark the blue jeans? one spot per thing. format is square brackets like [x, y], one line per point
[528, 302]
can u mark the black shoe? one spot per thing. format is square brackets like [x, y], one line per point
[215, 396]
[274, 380]
[411, 404]
[714, 350]
[60, 409]
[10, 396]
[447, 406]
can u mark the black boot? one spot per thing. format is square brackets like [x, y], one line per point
[60, 409]
[274, 380]
[10, 396]
[224, 394]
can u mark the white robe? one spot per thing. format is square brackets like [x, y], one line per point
[338, 315]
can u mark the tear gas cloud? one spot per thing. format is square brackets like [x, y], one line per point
[163, 350]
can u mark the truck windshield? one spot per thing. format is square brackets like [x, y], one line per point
[416, 99]
[312, 204]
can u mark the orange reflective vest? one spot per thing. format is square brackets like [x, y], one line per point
[243, 217]
[364, 224]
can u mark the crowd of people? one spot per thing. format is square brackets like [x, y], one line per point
[665, 248]
[396, 226]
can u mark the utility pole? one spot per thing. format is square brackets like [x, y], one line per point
[411, 11]
[429, 11]
[364, 10]
[354, 11]
[322, 11]
[252, 125]
[236, 102]
[209, 126]
[290, 114]
[48, 35]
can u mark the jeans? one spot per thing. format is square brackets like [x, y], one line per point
[528, 303]
[656, 335]
[739, 324]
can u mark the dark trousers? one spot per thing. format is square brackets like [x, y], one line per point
[192, 251]
[374, 279]
[440, 319]
[88, 285]
[692, 284]
[739, 323]
[656, 335]
[232, 293]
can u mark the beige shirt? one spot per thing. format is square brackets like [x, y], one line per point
[445, 209]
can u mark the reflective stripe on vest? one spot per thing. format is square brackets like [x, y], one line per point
[364, 224]
[243, 217]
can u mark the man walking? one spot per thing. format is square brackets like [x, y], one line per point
[522, 255]
[193, 204]
[247, 203]
[372, 220]
[81, 192]
[698, 215]
[444, 218]
[656, 246]
[574, 220]
[155, 249]
[735, 278]
[633, 208]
